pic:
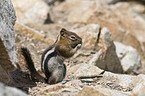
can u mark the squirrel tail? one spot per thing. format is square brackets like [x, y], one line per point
[30, 65]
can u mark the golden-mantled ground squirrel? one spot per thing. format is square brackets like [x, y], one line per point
[53, 57]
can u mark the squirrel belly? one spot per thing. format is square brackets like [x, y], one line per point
[55, 70]
[45, 55]
[53, 57]
[53, 67]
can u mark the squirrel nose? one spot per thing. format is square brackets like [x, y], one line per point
[80, 42]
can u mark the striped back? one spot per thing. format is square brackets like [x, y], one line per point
[45, 55]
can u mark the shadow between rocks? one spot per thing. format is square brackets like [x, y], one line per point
[22, 80]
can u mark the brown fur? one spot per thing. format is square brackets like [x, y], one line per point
[53, 57]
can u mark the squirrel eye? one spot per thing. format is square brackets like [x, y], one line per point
[73, 37]
[62, 35]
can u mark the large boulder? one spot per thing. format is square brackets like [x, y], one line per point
[32, 33]
[129, 57]
[8, 54]
[31, 12]
[106, 57]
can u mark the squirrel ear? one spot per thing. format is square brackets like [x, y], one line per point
[63, 30]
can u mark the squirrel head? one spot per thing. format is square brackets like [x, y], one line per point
[68, 43]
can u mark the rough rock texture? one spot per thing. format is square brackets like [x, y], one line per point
[32, 33]
[31, 11]
[129, 57]
[106, 56]
[97, 91]
[8, 54]
[117, 18]
[48, 89]
[112, 13]
[127, 83]
[10, 91]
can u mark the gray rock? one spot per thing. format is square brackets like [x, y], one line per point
[129, 57]
[10, 91]
[106, 58]
[8, 54]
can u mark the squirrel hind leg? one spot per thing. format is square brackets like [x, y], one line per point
[58, 75]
